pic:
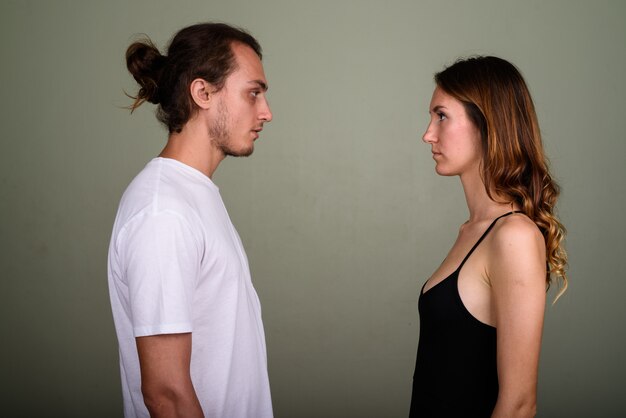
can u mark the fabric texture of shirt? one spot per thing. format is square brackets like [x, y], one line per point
[177, 265]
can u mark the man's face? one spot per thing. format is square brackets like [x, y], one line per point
[240, 109]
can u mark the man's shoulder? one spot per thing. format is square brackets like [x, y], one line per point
[167, 186]
[148, 193]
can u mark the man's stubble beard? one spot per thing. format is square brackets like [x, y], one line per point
[220, 133]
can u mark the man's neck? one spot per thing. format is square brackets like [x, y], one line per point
[193, 147]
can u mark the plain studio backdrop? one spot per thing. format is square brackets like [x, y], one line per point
[339, 208]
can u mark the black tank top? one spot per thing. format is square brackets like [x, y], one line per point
[455, 371]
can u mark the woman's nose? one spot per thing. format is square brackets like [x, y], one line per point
[428, 136]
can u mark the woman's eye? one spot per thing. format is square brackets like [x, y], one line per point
[441, 116]
[254, 94]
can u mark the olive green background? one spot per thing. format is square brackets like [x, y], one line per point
[340, 210]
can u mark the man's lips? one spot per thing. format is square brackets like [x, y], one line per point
[256, 132]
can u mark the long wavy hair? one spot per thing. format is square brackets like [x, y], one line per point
[513, 167]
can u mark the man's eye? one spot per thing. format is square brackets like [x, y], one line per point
[254, 93]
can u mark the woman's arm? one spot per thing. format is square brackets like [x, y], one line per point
[517, 271]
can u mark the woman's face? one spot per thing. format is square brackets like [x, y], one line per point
[454, 139]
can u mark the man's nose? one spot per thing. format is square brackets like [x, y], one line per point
[266, 113]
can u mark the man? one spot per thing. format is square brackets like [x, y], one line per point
[187, 317]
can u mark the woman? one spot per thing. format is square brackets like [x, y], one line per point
[481, 312]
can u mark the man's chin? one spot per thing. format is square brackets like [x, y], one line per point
[240, 153]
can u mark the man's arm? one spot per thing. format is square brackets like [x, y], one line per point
[165, 378]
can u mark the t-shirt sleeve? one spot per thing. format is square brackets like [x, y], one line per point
[162, 258]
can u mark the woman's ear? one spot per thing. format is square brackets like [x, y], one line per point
[201, 91]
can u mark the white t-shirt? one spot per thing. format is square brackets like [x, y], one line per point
[177, 265]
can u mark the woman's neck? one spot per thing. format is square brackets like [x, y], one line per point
[481, 207]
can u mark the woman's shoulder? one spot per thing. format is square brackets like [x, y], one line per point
[516, 227]
[516, 240]
[516, 266]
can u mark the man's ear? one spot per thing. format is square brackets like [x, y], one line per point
[201, 91]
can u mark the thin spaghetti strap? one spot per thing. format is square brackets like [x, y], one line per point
[484, 235]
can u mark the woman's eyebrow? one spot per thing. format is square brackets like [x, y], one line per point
[437, 108]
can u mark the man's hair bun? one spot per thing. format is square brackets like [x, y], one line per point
[145, 63]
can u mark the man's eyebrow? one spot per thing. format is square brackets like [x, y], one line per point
[260, 83]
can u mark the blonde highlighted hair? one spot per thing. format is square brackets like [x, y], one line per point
[497, 100]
